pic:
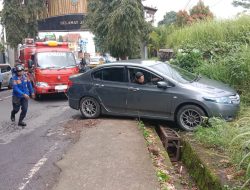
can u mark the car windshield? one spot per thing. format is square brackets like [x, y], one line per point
[55, 59]
[176, 73]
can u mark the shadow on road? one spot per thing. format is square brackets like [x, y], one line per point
[52, 98]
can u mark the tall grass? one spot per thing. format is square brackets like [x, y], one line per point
[208, 33]
[225, 46]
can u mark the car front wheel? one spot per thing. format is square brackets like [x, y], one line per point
[189, 117]
[89, 108]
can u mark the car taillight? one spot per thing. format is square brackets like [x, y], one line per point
[70, 83]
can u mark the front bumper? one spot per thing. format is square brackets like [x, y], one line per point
[225, 111]
[53, 89]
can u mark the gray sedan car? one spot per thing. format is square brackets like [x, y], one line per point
[168, 93]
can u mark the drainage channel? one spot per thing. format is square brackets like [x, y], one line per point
[171, 141]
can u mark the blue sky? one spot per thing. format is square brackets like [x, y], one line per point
[222, 9]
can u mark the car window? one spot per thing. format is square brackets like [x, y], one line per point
[5, 69]
[149, 78]
[110, 74]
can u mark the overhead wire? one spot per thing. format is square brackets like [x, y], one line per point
[187, 4]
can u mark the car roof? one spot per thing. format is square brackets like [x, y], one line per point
[4, 64]
[137, 62]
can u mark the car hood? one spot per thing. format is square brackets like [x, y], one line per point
[211, 87]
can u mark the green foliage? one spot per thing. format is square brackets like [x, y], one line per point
[201, 12]
[242, 3]
[162, 176]
[225, 56]
[209, 34]
[224, 46]
[119, 26]
[232, 138]
[188, 60]
[168, 19]
[183, 19]
[217, 134]
[158, 38]
[20, 21]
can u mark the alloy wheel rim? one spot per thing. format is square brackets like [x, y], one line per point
[89, 108]
[190, 119]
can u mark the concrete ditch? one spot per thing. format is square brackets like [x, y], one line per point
[209, 169]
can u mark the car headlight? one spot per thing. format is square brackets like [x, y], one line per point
[223, 100]
[42, 84]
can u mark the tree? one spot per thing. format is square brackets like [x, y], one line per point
[197, 13]
[169, 18]
[118, 25]
[183, 18]
[201, 12]
[242, 3]
[20, 20]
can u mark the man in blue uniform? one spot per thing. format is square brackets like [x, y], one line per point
[22, 90]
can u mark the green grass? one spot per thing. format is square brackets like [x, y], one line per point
[206, 33]
[225, 49]
[231, 137]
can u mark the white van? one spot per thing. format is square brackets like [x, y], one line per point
[5, 76]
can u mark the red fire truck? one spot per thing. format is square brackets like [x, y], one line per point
[49, 65]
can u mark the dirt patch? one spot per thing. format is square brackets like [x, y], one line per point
[73, 128]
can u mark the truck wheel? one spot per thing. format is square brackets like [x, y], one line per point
[90, 108]
[0, 85]
[189, 117]
[38, 97]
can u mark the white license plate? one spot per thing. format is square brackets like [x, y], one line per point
[61, 88]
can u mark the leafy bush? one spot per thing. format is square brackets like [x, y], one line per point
[188, 60]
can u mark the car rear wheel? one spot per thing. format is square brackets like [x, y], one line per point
[89, 108]
[189, 117]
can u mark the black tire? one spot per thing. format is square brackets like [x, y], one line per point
[189, 117]
[90, 108]
[0, 85]
[38, 97]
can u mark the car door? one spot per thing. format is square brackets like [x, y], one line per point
[111, 88]
[147, 99]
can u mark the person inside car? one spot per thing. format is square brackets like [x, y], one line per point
[139, 78]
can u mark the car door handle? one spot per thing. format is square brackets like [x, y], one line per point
[133, 89]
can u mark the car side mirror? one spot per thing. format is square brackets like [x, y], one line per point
[30, 63]
[163, 85]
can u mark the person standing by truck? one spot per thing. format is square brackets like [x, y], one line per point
[22, 90]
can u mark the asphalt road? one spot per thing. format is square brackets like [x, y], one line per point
[27, 156]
